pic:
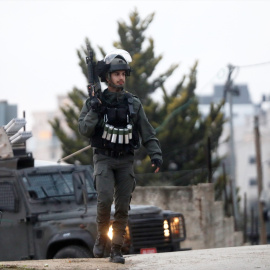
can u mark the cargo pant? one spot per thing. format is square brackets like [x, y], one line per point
[114, 182]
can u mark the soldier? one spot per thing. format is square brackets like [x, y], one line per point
[116, 123]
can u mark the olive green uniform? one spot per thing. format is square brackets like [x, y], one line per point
[114, 176]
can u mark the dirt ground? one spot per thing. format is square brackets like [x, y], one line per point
[234, 258]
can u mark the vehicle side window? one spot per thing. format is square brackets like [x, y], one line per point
[55, 185]
[8, 198]
[47, 185]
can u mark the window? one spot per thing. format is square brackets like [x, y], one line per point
[252, 160]
[8, 200]
[54, 185]
[253, 182]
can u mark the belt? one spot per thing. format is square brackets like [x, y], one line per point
[112, 153]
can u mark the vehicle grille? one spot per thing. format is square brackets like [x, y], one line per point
[146, 233]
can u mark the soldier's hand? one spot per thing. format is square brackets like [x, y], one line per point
[95, 102]
[156, 163]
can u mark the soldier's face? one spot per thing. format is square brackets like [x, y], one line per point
[118, 77]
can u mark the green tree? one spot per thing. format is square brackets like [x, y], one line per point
[69, 136]
[71, 140]
[144, 61]
[181, 129]
[184, 134]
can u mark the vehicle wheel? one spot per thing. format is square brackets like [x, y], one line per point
[73, 252]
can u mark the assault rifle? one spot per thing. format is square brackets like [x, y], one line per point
[93, 86]
[93, 80]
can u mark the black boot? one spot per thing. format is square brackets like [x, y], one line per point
[116, 255]
[100, 245]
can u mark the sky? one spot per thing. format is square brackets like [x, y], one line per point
[39, 40]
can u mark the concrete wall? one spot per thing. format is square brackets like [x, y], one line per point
[206, 225]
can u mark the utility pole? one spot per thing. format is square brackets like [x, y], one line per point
[230, 91]
[209, 160]
[263, 236]
[225, 190]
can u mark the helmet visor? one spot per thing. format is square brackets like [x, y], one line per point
[110, 56]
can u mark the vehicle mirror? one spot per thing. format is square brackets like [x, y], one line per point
[33, 194]
[78, 185]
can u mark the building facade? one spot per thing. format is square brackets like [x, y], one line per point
[45, 145]
[7, 112]
[245, 164]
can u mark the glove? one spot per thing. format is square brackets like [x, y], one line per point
[157, 162]
[94, 103]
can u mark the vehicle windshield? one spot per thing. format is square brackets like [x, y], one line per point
[55, 185]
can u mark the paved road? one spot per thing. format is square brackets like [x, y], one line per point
[234, 258]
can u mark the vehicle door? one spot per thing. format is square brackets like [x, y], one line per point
[13, 227]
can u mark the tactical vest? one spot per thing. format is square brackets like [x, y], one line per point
[118, 132]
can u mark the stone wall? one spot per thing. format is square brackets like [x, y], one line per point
[206, 225]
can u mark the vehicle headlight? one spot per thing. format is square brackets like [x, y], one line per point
[175, 226]
[110, 232]
[127, 232]
[166, 228]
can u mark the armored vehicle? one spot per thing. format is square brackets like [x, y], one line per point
[50, 212]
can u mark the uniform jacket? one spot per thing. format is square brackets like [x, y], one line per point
[88, 121]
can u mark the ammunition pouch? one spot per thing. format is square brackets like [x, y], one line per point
[118, 132]
[117, 116]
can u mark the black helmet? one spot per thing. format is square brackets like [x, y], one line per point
[119, 63]
[116, 60]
